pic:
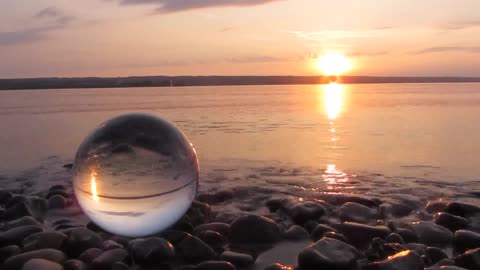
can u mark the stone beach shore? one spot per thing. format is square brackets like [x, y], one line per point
[48, 231]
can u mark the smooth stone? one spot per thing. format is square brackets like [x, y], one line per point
[435, 255]
[44, 240]
[16, 262]
[254, 229]
[339, 199]
[421, 249]
[462, 209]
[17, 210]
[451, 222]
[356, 212]
[320, 230]
[61, 193]
[192, 249]
[302, 212]
[296, 232]
[8, 251]
[41, 264]
[23, 221]
[174, 236]
[360, 234]
[89, 255]
[278, 266]
[394, 238]
[110, 244]
[470, 259]
[310, 225]
[57, 187]
[464, 240]
[151, 250]
[436, 206]
[215, 265]
[328, 253]
[17, 235]
[335, 235]
[81, 239]
[212, 238]
[404, 260]
[216, 197]
[432, 234]
[199, 213]
[108, 258]
[238, 259]
[408, 235]
[57, 202]
[5, 196]
[119, 266]
[220, 227]
[74, 265]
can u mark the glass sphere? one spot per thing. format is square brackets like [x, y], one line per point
[135, 175]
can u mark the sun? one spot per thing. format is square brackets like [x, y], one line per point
[333, 64]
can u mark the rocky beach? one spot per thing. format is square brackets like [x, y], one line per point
[246, 222]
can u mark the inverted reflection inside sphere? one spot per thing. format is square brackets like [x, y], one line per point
[135, 175]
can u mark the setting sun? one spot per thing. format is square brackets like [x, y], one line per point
[333, 64]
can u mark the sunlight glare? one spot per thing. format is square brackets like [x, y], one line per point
[333, 64]
[333, 100]
[93, 184]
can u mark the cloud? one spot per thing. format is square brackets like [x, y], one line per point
[474, 49]
[461, 25]
[170, 6]
[54, 18]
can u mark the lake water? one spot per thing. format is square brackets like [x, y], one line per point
[320, 137]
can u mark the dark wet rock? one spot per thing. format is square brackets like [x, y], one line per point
[435, 255]
[328, 253]
[360, 234]
[23, 221]
[151, 250]
[38, 207]
[462, 209]
[119, 266]
[216, 197]
[212, 238]
[16, 262]
[5, 196]
[421, 249]
[174, 236]
[338, 199]
[44, 240]
[110, 244]
[436, 206]
[451, 222]
[302, 212]
[320, 230]
[443, 263]
[238, 259]
[215, 265]
[8, 251]
[276, 204]
[108, 258]
[17, 210]
[310, 225]
[296, 232]
[254, 229]
[278, 266]
[81, 239]
[74, 265]
[335, 235]
[432, 234]
[394, 238]
[407, 235]
[356, 212]
[68, 166]
[470, 259]
[184, 225]
[57, 202]
[94, 227]
[16, 235]
[464, 240]
[222, 228]
[448, 267]
[54, 193]
[89, 255]
[199, 213]
[41, 264]
[122, 240]
[408, 260]
[192, 249]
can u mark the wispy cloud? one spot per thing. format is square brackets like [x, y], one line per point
[439, 49]
[460, 25]
[169, 6]
[55, 19]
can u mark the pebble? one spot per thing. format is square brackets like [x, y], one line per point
[435, 255]
[57, 202]
[407, 235]
[119, 266]
[108, 258]
[16, 235]
[151, 250]
[394, 238]
[8, 251]
[470, 259]
[215, 265]
[462, 209]
[16, 262]
[436, 206]
[238, 259]
[43, 240]
[220, 227]
[302, 212]
[451, 222]
[464, 240]
[41, 264]
[328, 253]
[320, 230]
[432, 234]
[254, 229]
[74, 265]
[213, 239]
[81, 239]
[89, 255]
[23, 221]
[361, 234]
[356, 212]
[17, 210]
[192, 249]
[110, 244]
[404, 260]
[5, 196]
[296, 232]
[335, 235]
[278, 266]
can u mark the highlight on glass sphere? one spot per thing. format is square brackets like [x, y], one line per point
[135, 175]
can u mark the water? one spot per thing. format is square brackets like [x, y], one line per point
[383, 138]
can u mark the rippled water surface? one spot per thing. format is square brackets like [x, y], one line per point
[406, 137]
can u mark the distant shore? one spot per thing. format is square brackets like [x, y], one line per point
[169, 81]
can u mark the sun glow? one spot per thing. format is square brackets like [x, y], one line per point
[93, 186]
[333, 100]
[333, 64]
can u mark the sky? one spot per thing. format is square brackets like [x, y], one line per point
[58, 38]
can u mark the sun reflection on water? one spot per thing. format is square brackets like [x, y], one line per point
[93, 186]
[333, 99]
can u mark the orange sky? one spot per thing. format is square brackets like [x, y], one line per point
[231, 37]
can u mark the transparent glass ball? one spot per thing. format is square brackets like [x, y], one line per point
[135, 175]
